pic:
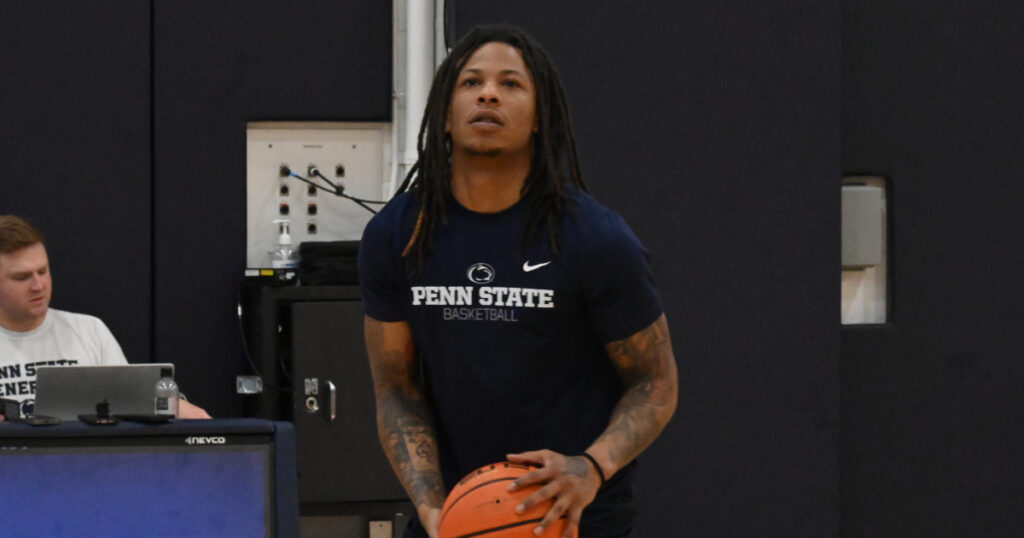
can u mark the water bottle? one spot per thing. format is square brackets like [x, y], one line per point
[166, 400]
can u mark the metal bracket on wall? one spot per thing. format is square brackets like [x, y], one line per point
[864, 250]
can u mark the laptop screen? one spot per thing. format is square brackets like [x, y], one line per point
[68, 391]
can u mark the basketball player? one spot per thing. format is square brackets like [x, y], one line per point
[508, 314]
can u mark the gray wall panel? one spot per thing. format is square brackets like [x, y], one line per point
[75, 152]
[931, 402]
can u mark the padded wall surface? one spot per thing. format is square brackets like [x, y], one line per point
[218, 66]
[931, 402]
[713, 129]
[74, 152]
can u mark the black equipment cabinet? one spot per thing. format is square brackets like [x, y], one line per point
[340, 457]
[307, 343]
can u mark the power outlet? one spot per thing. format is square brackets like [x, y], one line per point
[356, 156]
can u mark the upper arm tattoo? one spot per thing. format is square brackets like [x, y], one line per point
[644, 357]
[647, 367]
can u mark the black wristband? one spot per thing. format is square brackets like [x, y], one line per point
[600, 473]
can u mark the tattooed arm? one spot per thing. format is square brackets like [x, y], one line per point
[647, 366]
[404, 421]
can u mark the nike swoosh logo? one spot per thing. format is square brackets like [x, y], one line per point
[527, 267]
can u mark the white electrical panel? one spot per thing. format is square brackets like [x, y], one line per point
[352, 157]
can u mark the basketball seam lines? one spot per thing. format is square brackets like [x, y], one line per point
[478, 486]
[501, 528]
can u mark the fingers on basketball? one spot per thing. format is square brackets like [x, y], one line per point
[481, 506]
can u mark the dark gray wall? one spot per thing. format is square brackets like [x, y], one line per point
[932, 409]
[74, 152]
[714, 130]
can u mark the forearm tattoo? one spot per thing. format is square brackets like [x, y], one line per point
[646, 364]
[578, 466]
[407, 435]
[404, 422]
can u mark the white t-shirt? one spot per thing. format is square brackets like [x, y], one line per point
[63, 339]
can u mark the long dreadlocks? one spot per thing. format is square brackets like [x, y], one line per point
[554, 146]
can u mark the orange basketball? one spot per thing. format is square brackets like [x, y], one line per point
[480, 505]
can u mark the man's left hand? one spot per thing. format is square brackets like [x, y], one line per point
[570, 480]
[187, 410]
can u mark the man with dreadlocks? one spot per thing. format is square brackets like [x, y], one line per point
[508, 314]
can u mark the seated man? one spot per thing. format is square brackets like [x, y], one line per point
[32, 334]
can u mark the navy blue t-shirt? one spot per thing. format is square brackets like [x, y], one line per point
[512, 344]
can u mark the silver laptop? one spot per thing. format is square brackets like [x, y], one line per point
[68, 391]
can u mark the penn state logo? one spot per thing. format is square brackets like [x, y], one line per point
[480, 273]
[28, 407]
